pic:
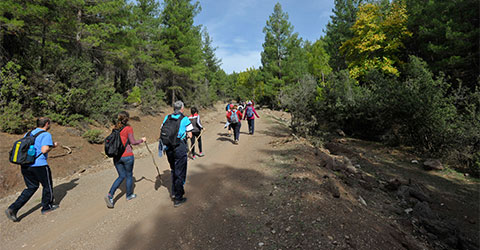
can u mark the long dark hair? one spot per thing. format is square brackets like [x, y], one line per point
[194, 110]
[122, 119]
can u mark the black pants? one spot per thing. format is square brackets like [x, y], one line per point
[177, 158]
[236, 130]
[251, 126]
[33, 176]
[192, 140]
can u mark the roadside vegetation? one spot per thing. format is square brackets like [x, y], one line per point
[399, 72]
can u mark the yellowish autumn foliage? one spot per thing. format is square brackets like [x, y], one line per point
[378, 37]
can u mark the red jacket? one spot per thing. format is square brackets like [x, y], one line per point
[254, 113]
[239, 114]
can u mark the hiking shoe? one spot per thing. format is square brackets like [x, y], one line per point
[201, 154]
[132, 196]
[109, 201]
[177, 203]
[52, 207]
[12, 215]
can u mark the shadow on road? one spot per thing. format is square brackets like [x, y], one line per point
[59, 192]
[219, 197]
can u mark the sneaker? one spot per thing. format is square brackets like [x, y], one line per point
[132, 196]
[194, 157]
[109, 201]
[52, 207]
[235, 142]
[201, 154]
[12, 215]
[177, 203]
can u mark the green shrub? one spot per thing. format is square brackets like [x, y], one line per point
[152, 97]
[94, 136]
[14, 119]
[135, 96]
[300, 101]
[13, 93]
[104, 103]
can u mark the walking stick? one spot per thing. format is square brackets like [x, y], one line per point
[153, 158]
[196, 139]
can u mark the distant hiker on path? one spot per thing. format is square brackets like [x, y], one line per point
[197, 127]
[175, 130]
[234, 117]
[250, 114]
[124, 163]
[227, 124]
[38, 172]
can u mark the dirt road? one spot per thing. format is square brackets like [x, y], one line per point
[217, 184]
[271, 191]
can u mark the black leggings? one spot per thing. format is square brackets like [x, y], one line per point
[192, 140]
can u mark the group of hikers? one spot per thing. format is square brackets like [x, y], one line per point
[176, 129]
[235, 113]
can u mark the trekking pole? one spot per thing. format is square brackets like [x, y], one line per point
[196, 139]
[153, 158]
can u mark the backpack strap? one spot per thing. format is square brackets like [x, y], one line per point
[37, 134]
[127, 142]
[34, 138]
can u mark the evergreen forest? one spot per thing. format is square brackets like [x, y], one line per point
[402, 72]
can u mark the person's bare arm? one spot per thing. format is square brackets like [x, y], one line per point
[45, 149]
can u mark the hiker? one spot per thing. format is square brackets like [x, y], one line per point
[197, 127]
[250, 114]
[241, 106]
[124, 163]
[234, 117]
[228, 107]
[179, 127]
[227, 124]
[38, 172]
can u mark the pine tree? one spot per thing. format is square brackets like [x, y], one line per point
[184, 43]
[283, 59]
[339, 30]
[446, 35]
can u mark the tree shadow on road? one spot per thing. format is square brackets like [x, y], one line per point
[219, 197]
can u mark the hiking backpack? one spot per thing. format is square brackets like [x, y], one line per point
[233, 117]
[249, 112]
[169, 131]
[113, 144]
[19, 153]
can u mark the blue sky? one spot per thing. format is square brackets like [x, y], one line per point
[235, 26]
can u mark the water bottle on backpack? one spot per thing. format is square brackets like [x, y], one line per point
[31, 153]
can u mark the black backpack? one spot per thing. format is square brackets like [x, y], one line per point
[113, 144]
[18, 154]
[169, 131]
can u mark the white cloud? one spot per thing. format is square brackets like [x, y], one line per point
[238, 62]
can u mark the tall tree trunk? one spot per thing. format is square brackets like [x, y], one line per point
[42, 57]
[78, 35]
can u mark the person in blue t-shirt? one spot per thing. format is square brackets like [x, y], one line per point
[37, 173]
[177, 156]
